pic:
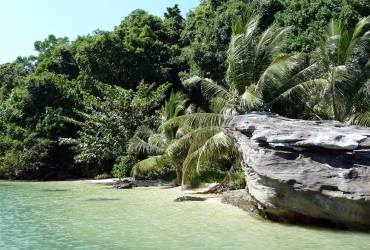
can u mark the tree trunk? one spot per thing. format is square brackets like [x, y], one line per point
[179, 175]
[223, 186]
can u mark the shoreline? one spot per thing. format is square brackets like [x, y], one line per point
[188, 191]
[156, 183]
[139, 183]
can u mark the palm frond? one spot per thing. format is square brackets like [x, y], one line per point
[211, 90]
[201, 136]
[362, 119]
[137, 145]
[192, 141]
[279, 69]
[251, 99]
[241, 53]
[274, 42]
[358, 100]
[301, 90]
[144, 132]
[195, 120]
[263, 42]
[158, 143]
[191, 82]
[240, 63]
[212, 145]
[359, 29]
[251, 27]
[173, 106]
[212, 149]
[190, 109]
[278, 37]
[189, 168]
[245, 25]
[182, 131]
[148, 165]
[333, 29]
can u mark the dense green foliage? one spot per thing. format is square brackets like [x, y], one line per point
[309, 19]
[148, 99]
[108, 122]
[335, 86]
[162, 147]
[31, 122]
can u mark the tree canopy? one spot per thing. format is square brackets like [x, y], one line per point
[117, 98]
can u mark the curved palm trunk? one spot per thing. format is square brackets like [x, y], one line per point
[221, 187]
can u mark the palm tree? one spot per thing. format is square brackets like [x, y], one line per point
[161, 146]
[254, 64]
[336, 84]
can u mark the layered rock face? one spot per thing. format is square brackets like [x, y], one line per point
[305, 171]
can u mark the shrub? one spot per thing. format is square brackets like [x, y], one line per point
[165, 173]
[238, 180]
[123, 168]
[208, 176]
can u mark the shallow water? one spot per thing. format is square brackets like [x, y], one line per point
[80, 215]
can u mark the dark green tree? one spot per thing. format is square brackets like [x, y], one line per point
[207, 31]
[10, 76]
[31, 120]
[55, 56]
[309, 19]
[136, 50]
[205, 37]
[173, 26]
[28, 63]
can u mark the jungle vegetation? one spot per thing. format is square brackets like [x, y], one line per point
[148, 99]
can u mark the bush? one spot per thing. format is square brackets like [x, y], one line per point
[165, 173]
[123, 168]
[208, 176]
[238, 180]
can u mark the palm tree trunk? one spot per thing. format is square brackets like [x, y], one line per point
[333, 97]
[179, 175]
[221, 187]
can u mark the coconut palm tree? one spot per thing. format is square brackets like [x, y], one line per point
[336, 84]
[160, 146]
[254, 63]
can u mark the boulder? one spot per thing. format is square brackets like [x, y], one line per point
[305, 171]
[239, 198]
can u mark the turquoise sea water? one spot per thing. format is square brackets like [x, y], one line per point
[80, 215]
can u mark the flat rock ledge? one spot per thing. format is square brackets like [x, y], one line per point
[240, 199]
[305, 171]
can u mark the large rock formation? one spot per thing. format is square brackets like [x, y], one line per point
[305, 171]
